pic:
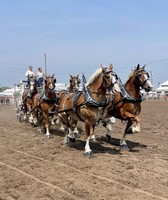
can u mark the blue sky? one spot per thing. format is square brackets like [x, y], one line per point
[78, 35]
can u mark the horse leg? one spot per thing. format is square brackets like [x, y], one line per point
[25, 112]
[74, 125]
[137, 128]
[59, 122]
[70, 136]
[92, 136]
[123, 143]
[46, 121]
[88, 152]
[109, 125]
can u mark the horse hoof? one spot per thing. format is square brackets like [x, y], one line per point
[94, 140]
[88, 154]
[124, 147]
[78, 135]
[72, 140]
[129, 131]
[34, 125]
[47, 136]
[104, 124]
[66, 140]
[108, 137]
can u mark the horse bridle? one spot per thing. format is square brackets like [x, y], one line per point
[142, 83]
[76, 82]
[53, 83]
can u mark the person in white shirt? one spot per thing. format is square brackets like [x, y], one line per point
[40, 76]
[29, 74]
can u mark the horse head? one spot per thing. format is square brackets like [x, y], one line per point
[110, 79]
[50, 82]
[142, 78]
[32, 84]
[74, 83]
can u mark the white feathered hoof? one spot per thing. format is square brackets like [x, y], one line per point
[124, 147]
[66, 140]
[48, 136]
[88, 154]
[94, 140]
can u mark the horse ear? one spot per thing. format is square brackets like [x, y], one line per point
[53, 75]
[111, 67]
[103, 68]
[138, 66]
[70, 75]
[144, 66]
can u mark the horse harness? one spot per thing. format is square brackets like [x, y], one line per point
[126, 97]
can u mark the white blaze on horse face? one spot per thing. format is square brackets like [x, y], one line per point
[51, 86]
[116, 87]
[76, 84]
[148, 84]
[31, 86]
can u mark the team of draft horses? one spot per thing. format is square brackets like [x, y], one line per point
[103, 98]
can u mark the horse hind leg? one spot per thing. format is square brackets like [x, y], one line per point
[70, 136]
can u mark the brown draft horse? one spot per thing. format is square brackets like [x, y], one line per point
[126, 105]
[74, 83]
[45, 102]
[88, 105]
[73, 87]
[28, 95]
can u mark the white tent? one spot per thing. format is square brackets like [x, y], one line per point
[163, 87]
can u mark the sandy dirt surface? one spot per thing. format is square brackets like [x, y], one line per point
[35, 168]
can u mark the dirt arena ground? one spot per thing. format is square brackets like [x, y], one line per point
[34, 168]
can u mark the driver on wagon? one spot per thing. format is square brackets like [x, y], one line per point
[29, 74]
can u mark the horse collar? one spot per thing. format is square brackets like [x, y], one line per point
[90, 101]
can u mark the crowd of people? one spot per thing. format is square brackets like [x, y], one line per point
[39, 76]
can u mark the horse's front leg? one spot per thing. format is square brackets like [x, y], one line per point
[92, 135]
[136, 128]
[88, 152]
[46, 121]
[123, 143]
[109, 125]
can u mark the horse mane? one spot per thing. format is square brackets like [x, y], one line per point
[94, 76]
[130, 76]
